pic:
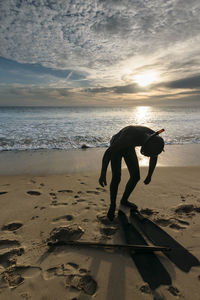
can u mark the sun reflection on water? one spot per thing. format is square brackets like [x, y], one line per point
[142, 113]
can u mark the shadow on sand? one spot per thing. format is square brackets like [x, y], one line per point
[116, 267]
[149, 266]
[180, 256]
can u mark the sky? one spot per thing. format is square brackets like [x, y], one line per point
[106, 52]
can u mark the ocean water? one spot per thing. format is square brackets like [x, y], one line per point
[32, 128]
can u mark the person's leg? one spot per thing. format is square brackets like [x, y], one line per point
[131, 160]
[116, 177]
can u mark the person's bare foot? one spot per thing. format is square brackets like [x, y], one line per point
[111, 213]
[129, 204]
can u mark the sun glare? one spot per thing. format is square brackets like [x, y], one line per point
[142, 113]
[146, 78]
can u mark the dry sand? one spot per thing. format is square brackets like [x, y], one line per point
[33, 207]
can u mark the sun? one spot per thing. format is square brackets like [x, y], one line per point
[146, 78]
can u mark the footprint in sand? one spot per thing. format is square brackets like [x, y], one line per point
[148, 211]
[80, 279]
[55, 203]
[34, 217]
[80, 200]
[34, 193]
[12, 226]
[176, 226]
[183, 222]
[109, 228]
[60, 270]
[65, 233]
[162, 222]
[63, 218]
[173, 223]
[73, 265]
[8, 256]
[85, 220]
[82, 282]
[187, 209]
[182, 198]
[100, 189]
[53, 195]
[25, 296]
[65, 191]
[73, 275]
[83, 271]
[179, 224]
[174, 291]
[8, 243]
[102, 218]
[108, 231]
[15, 276]
[50, 273]
[93, 192]
[3, 193]
[32, 181]
[145, 288]
[43, 207]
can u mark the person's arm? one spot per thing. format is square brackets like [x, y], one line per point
[105, 162]
[152, 165]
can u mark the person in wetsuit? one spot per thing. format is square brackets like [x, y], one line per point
[123, 145]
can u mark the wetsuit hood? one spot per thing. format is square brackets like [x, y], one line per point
[158, 143]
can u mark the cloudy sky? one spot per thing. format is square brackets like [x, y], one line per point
[106, 52]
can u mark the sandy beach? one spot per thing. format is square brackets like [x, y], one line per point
[77, 78]
[44, 206]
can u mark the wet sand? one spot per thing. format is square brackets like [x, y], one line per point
[43, 162]
[39, 208]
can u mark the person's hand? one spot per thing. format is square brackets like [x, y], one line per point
[147, 180]
[102, 180]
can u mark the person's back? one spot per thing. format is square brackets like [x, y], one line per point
[131, 135]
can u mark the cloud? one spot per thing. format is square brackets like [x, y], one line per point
[105, 96]
[121, 89]
[185, 83]
[88, 34]
[97, 47]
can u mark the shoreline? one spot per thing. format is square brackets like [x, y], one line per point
[46, 162]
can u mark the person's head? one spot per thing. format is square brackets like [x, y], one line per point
[153, 146]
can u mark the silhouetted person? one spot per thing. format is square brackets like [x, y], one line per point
[123, 145]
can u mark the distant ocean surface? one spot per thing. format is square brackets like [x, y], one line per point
[32, 128]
